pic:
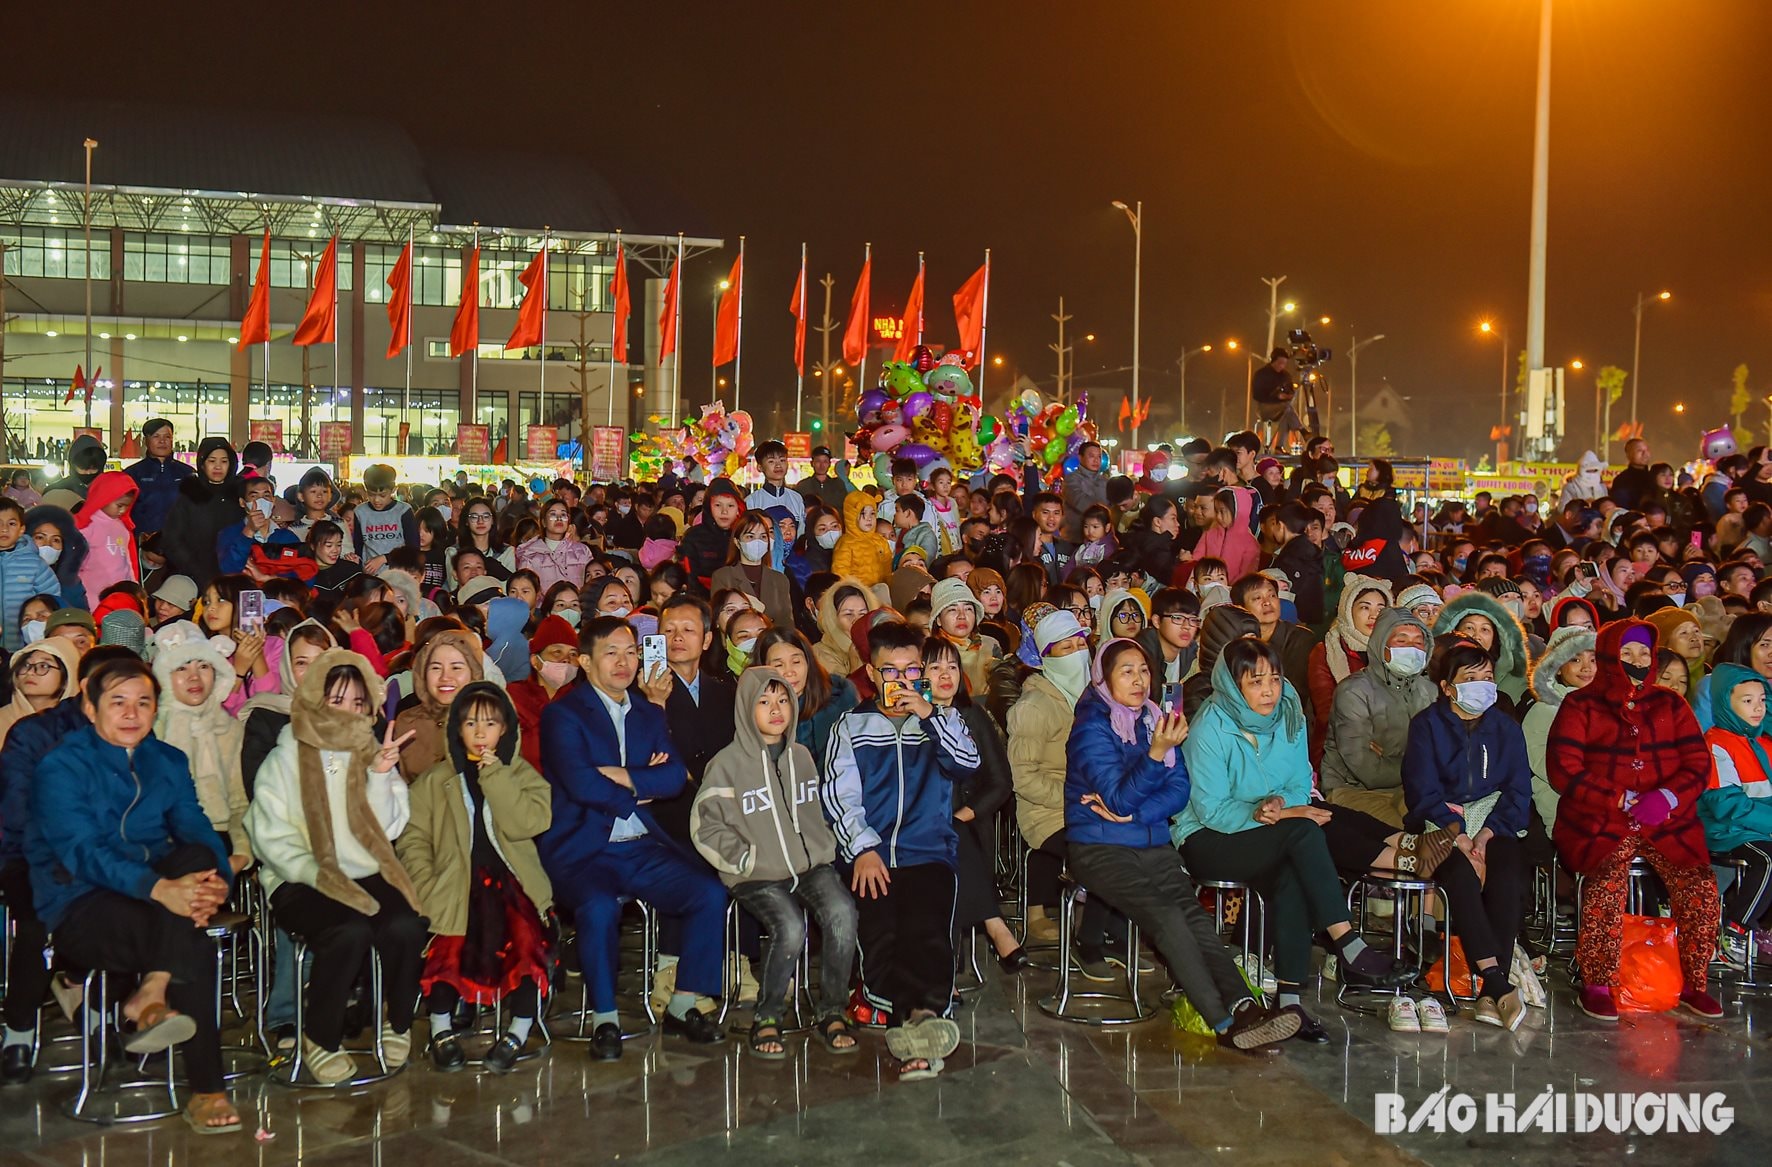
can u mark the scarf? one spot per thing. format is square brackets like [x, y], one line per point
[1724, 717]
[318, 726]
[1125, 718]
[1287, 718]
[1069, 674]
[277, 700]
[1342, 637]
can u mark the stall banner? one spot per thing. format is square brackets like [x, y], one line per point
[473, 443]
[335, 441]
[609, 447]
[541, 443]
[269, 432]
[799, 444]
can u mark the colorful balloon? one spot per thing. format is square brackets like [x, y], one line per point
[903, 380]
[870, 402]
[988, 425]
[888, 437]
[919, 453]
[917, 404]
[949, 381]
[1052, 453]
[943, 415]
[922, 359]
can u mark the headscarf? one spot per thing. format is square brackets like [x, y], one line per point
[1342, 636]
[1125, 718]
[1048, 632]
[1724, 717]
[277, 700]
[1287, 718]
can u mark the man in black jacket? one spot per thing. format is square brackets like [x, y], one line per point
[1273, 392]
[1301, 560]
[1634, 484]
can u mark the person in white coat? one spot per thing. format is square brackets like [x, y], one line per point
[1585, 482]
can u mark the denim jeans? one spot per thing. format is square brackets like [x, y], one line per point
[777, 904]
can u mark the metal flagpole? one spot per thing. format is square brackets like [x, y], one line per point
[861, 378]
[799, 354]
[542, 404]
[474, 372]
[677, 356]
[86, 215]
[984, 329]
[738, 341]
[334, 394]
[614, 324]
[411, 275]
[925, 292]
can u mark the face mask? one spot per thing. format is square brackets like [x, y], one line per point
[263, 506]
[1475, 696]
[1069, 673]
[1679, 599]
[828, 539]
[557, 672]
[622, 508]
[1702, 589]
[754, 549]
[1406, 661]
[1637, 673]
[619, 611]
[50, 553]
[1532, 508]
[746, 645]
[1458, 564]
[570, 615]
[33, 630]
[1095, 602]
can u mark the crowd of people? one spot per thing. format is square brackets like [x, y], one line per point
[464, 726]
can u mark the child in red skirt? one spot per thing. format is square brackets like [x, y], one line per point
[470, 850]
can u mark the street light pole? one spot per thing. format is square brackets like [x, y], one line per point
[1136, 215]
[1636, 351]
[1193, 352]
[1540, 198]
[1353, 392]
[1273, 309]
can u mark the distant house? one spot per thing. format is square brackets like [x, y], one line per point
[1385, 406]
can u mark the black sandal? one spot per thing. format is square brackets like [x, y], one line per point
[764, 1032]
[833, 1027]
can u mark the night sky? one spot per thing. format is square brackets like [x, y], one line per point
[1376, 153]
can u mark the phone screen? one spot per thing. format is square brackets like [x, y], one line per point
[249, 611]
[1172, 697]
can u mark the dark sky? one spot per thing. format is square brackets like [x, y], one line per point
[1377, 153]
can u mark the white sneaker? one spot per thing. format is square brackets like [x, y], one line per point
[1403, 1018]
[1429, 1013]
[1258, 974]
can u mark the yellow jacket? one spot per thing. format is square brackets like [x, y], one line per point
[865, 555]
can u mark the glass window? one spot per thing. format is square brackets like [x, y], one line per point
[292, 259]
[177, 259]
[432, 418]
[55, 252]
[436, 274]
[437, 349]
[576, 283]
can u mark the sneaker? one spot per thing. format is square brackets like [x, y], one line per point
[1118, 960]
[1257, 973]
[1485, 1012]
[1431, 1015]
[1511, 1005]
[1700, 1002]
[1094, 967]
[1402, 1016]
[1734, 941]
[1256, 1027]
[1596, 1001]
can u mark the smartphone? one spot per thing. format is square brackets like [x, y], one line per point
[391, 707]
[1587, 570]
[1172, 697]
[249, 611]
[652, 652]
[1697, 540]
[890, 691]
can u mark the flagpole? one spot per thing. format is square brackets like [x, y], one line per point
[861, 378]
[411, 263]
[474, 372]
[984, 329]
[920, 302]
[738, 341]
[613, 325]
[677, 362]
[799, 355]
[333, 397]
[542, 402]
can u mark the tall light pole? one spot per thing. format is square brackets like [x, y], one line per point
[1353, 391]
[1193, 352]
[1636, 351]
[1489, 328]
[1273, 308]
[1540, 198]
[1135, 214]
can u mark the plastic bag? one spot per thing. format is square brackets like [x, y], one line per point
[1649, 976]
[1188, 1019]
[1463, 984]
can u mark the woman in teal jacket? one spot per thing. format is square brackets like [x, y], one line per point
[1737, 808]
[1249, 817]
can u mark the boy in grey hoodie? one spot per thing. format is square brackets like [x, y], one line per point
[757, 819]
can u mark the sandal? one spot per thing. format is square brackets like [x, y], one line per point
[920, 1069]
[767, 1032]
[203, 1108]
[833, 1027]
[158, 1029]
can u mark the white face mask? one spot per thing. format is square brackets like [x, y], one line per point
[264, 506]
[50, 553]
[746, 645]
[622, 508]
[754, 549]
[619, 612]
[1095, 602]
[1475, 697]
[1406, 660]
[33, 629]
[1070, 673]
[1679, 599]
[828, 539]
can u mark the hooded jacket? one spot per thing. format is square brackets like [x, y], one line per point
[102, 816]
[110, 556]
[19, 708]
[1222, 624]
[202, 511]
[1737, 807]
[1585, 483]
[1039, 729]
[1235, 769]
[1341, 654]
[1374, 708]
[756, 817]
[86, 460]
[1302, 561]
[436, 848]
[23, 574]
[1509, 653]
[429, 718]
[835, 650]
[1617, 736]
[1565, 645]
[1376, 549]
[863, 555]
[210, 738]
[1233, 544]
[505, 618]
[704, 545]
[66, 568]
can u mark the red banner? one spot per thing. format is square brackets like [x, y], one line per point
[335, 440]
[268, 432]
[799, 444]
[609, 449]
[92, 431]
[541, 443]
[405, 446]
[473, 444]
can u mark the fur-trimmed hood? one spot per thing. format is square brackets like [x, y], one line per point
[1510, 639]
[1564, 646]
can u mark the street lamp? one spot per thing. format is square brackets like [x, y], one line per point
[1488, 328]
[1353, 393]
[1135, 215]
[1193, 352]
[1636, 351]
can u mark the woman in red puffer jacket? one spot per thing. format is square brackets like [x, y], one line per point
[1629, 761]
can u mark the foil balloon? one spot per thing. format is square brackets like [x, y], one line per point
[922, 359]
[888, 437]
[948, 381]
[988, 425]
[870, 402]
[919, 453]
[917, 404]
[1066, 422]
[1052, 453]
[942, 414]
[1718, 443]
[902, 380]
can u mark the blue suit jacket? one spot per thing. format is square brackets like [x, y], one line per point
[577, 736]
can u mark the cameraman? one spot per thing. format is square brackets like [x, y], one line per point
[1273, 392]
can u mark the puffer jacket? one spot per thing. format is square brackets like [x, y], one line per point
[862, 555]
[1039, 727]
[202, 511]
[1565, 645]
[516, 805]
[1510, 638]
[756, 817]
[27, 744]
[1373, 708]
[23, 574]
[1233, 772]
[1123, 774]
[551, 565]
[102, 816]
[157, 480]
[67, 565]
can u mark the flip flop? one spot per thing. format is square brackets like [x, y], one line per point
[930, 1037]
[158, 1029]
[204, 1107]
[932, 1068]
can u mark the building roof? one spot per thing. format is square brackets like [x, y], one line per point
[238, 150]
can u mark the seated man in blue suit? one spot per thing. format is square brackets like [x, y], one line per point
[607, 756]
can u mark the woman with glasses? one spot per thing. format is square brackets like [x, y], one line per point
[42, 675]
[479, 531]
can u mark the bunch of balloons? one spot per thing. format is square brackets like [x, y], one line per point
[923, 410]
[720, 441]
[651, 454]
[1053, 434]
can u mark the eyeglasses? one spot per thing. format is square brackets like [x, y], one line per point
[1081, 612]
[479, 517]
[914, 673]
[38, 668]
[1128, 618]
[1180, 619]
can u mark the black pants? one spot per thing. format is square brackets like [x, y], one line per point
[27, 973]
[1289, 864]
[1486, 916]
[975, 899]
[105, 930]
[906, 941]
[1100, 926]
[1746, 902]
[1150, 885]
[1355, 838]
[340, 938]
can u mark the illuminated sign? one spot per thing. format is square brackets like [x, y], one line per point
[888, 327]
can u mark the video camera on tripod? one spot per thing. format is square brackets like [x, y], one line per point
[1309, 360]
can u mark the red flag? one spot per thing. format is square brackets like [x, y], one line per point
[532, 313]
[913, 317]
[618, 292]
[969, 304]
[400, 303]
[77, 384]
[798, 308]
[319, 324]
[667, 319]
[855, 333]
[1125, 412]
[255, 328]
[726, 320]
[464, 334]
